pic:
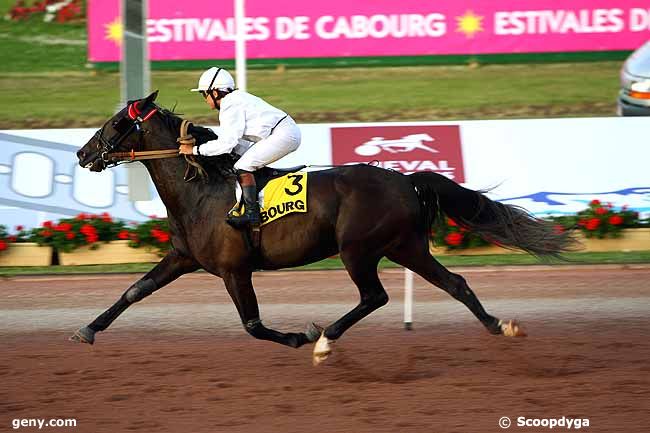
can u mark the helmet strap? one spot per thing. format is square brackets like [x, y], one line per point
[209, 90]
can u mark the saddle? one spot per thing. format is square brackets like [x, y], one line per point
[266, 174]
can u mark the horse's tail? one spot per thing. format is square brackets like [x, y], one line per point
[508, 226]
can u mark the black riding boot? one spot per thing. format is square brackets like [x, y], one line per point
[251, 215]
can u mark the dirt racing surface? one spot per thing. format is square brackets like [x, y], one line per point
[179, 361]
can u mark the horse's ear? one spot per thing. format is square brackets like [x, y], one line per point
[152, 97]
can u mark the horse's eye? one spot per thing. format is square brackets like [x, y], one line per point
[123, 125]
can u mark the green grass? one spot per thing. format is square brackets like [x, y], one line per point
[88, 98]
[45, 82]
[35, 46]
[335, 263]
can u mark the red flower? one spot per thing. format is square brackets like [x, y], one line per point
[48, 224]
[12, 238]
[160, 235]
[595, 202]
[63, 227]
[600, 211]
[3, 245]
[454, 239]
[82, 216]
[592, 224]
[106, 217]
[46, 233]
[582, 222]
[88, 230]
[558, 229]
[615, 220]
[451, 223]
[70, 235]
[19, 228]
[123, 235]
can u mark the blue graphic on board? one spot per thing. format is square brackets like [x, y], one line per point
[41, 180]
[564, 203]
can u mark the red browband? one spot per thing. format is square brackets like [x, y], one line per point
[134, 112]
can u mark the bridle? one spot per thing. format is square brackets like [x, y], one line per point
[124, 127]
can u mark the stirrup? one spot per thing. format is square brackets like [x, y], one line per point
[244, 220]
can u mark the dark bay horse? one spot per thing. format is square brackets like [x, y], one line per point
[361, 212]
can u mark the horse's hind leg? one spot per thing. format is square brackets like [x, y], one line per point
[363, 271]
[416, 257]
[167, 270]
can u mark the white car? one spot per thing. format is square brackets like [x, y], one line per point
[634, 97]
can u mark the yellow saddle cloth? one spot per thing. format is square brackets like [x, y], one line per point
[281, 196]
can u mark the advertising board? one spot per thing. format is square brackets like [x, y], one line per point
[338, 28]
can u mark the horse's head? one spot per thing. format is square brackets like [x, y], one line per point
[121, 134]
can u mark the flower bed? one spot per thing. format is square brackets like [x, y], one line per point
[152, 235]
[83, 230]
[89, 239]
[16, 251]
[601, 220]
[86, 239]
[60, 10]
[597, 222]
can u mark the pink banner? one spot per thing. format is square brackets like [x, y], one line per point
[339, 28]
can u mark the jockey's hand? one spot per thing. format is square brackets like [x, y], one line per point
[185, 149]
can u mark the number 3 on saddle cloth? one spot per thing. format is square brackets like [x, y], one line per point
[280, 192]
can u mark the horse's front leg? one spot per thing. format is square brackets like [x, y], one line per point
[240, 289]
[172, 266]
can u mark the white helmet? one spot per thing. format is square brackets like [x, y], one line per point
[215, 78]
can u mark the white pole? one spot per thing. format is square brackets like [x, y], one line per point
[408, 299]
[240, 45]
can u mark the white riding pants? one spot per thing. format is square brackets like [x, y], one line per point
[284, 139]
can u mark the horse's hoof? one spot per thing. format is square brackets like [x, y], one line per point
[84, 335]
[512, 329]
[313, 332]
[322, 349]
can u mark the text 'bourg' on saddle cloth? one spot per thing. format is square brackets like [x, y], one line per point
[281, 196]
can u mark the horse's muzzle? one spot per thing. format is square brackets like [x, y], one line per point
[91, 161]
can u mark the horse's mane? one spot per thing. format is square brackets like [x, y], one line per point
[221, 165]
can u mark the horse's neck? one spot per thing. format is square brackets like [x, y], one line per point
[186, 198]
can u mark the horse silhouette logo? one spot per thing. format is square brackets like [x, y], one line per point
[407, 143]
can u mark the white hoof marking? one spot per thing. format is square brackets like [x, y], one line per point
[512, 329]
[322, 350]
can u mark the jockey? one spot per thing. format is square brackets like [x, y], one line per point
[250, 127]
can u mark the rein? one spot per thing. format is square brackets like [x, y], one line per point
[193, 168]
[141, 155]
